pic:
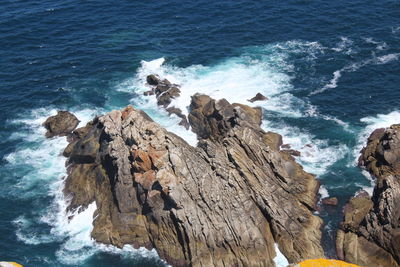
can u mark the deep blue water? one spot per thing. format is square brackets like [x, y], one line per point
[330, 68]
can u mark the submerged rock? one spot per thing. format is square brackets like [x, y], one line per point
[61, 124]
[370, 232]
[226, 202]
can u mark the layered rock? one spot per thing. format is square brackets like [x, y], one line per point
[223, 203]
[370, 233]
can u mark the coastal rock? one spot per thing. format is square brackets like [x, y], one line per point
[258, 97]
[226, 202]
[370, 233]
[61, 124]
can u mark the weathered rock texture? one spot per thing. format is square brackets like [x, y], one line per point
[61, 124]
[370, 234]
[223, 203]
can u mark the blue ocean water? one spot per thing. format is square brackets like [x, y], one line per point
[330, 70]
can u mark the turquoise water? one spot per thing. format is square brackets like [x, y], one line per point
[329, 68]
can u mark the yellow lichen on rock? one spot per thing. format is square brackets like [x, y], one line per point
[325, 263]
[9, 264]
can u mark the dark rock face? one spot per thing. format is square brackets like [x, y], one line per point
[61, 124]
[370, 234]
[258, 97]
[223, 203]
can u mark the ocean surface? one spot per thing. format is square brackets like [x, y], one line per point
[329, 68]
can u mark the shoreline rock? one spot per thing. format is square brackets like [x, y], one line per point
[225, 202]
[370, 232]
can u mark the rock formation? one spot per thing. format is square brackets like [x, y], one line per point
[223, 203]
[370, 233]
[61, 124]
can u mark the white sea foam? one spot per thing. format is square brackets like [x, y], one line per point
[236, 80]
[344, 46]
[280, 259]
[368, 189]
[79, 245]
[323, 192]
[332, 83]
[375, 60]
[387, 58]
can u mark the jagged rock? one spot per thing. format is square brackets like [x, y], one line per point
[61, 124]
[152, 79]
[258, 97]
[330, 201]
[370, 233]
[223, 203]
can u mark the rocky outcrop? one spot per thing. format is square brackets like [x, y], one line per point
[61, 124]
[370, 233]
[223, 203]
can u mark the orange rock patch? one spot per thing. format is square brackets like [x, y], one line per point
[326, 263]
